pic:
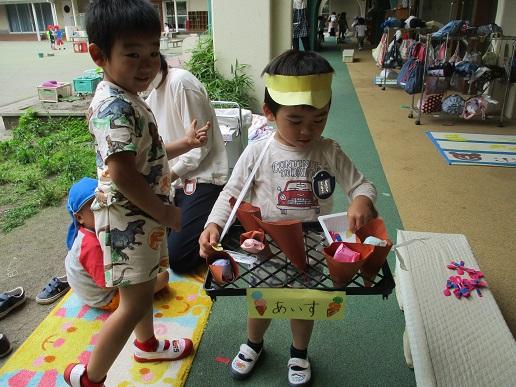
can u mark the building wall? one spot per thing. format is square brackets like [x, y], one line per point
[197, 5]
[352, 8]
[506, 15]
[4, 23]
[243, 30]
[438, 10]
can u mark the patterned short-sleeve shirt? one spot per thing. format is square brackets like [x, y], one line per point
[121, 122]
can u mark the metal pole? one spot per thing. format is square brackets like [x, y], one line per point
[508, 82]
[427, 48]
[35, 16]
[54, 13]
[74, 12]
[385, 53]
[175, 16]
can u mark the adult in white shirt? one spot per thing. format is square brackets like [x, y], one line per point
[199, 175]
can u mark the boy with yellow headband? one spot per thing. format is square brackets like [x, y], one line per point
[297, 98]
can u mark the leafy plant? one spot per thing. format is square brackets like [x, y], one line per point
[202, 65]
[40, 163]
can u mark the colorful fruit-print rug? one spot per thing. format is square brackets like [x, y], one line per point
[69, 332]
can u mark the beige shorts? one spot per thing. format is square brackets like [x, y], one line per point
[134, 247]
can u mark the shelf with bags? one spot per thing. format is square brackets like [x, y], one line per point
[393, 51]
[473, 75]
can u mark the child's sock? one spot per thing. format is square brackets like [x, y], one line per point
[148, 346]
[301, 354]
[257, 347]
[85, 381]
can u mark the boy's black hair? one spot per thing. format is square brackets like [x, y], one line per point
[107, 20]
[294, 62]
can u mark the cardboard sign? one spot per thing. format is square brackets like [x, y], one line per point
[303, 304]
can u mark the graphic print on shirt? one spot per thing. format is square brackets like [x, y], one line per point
[296, 190]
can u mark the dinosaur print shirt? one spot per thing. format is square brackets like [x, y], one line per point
[121, 121]
[292, 183]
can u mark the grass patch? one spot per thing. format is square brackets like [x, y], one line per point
[40, 163]
[238, 88]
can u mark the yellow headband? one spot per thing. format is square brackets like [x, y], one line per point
[290, 90]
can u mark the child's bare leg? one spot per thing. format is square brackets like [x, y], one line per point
[301, 333]
[161, 281]
[256, 328]
[134, 309]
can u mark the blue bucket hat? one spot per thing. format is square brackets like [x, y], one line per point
[80, 193]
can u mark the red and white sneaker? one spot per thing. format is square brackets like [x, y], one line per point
[167, 350]
[73, 374]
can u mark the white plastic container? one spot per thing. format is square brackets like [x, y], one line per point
[348, 55]
[337, 223]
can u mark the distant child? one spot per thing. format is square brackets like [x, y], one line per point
[131, 206]
[321, 23]
[360, 29]
[343, 27]
[59, 37]
[297, 98]
[332, 24]
[51, 37]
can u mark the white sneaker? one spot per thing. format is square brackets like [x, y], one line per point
[299, 372]
[244, 362]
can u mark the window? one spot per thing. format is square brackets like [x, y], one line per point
[21, 19]
[182, 14]
[44, 15]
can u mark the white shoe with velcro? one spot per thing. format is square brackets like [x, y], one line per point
[299, 372]
[244, 362]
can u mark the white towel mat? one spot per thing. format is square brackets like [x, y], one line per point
[453, 342]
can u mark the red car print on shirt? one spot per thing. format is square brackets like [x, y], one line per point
[297, 195]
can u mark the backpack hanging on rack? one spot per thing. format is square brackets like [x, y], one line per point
[405, 48]
[418, 51]
[411, 76]
[379, 52]
[440, 55]
[490, 58]
[393, 59]
[455, 58]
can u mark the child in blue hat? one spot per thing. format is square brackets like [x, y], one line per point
[84, 262]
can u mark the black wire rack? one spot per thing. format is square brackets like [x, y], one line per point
[278, 271]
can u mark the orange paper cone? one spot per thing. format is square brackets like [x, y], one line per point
[245, 214]
[288, 235]
[217, 271]
[258, 235]
[374, 263]
[341, 273]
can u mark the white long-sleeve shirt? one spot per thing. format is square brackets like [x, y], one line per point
[282, 186]
[180, 100]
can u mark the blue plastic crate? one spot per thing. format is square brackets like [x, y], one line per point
[85, 85]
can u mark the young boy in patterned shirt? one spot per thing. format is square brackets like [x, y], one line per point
[131, 206]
